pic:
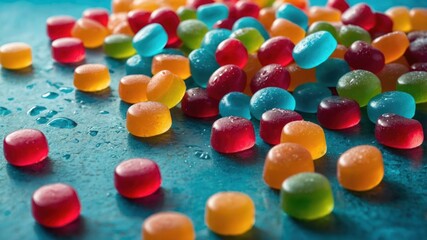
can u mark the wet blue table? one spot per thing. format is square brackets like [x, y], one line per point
[85, 156]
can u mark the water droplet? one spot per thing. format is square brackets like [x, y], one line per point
[111, 71]
[104, 112]
[98, 144]
[19, 109]
[31, 86]
[66, 89]
[68, 100]
[66, 156]
[202, 154]
[93, 133]
[62, 123]
[76, 140]
[36, 110]
[42, 120]
[56, 85]
[50, 95]
[4, 111]
[51, 113]
[11, 99]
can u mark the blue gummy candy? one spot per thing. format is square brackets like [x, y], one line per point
[314, 49]
[235, 104]
[150, 40]
[268, 98]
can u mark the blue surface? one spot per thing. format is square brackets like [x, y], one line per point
[85, 157]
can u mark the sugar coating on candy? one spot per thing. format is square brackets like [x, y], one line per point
[232, 134]
[196, 103]
[213, 38]
[138, 19]
[360, 15]
[285, 160]
[338, 113]
[97, 14]
[269, 98]
[119, 46]
[349, 34]
[393, 45]
[396, 102]
[293, 14]
[417, 51]
[389, 75]
[245, 22]
[227, 53]
[308, 134]
[15, 55]
[167, 88]
[399, 132]
[59, 26]
[362, 55]
[177, 64]
[211, 13]
[276, 50]
[148, 119]
[285, 28]
[308, 96]
[228, 78]
[250, 37]
[235, 104]
[306, 196]
[55, 205]
[329, 72]
[68, 50]
[359, 85]
[272, 75]
[137, 178]
[272, 123]
[91, 77]
[133, 88]
[360, 168]
[230, 213]
[91, 32]
[322, 26]
[139, 65]
[202, 65]
[150, 40]
[401, 18]
[314, 49]
[414, 83]
[191, 33]
[25, 147]
[168, 225]
[169, 21]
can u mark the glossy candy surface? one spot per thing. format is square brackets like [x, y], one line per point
[97, 14]
[285, 28]
[416, 51]
[399, 132]
[250, 37]
[306, 196]
[322, 26]
[285, 160]
[329, 72]
[362, 55]
[396, 102]
[401, 18]
[196, 103]
[119, 46]
[150, 40]
[166, 87]
[245, 22]
[314, 49]
[308, 134]
[16, 55]
[213, 38]
[169, 21]
[91, 77]
[273, 75]
[137, 19]
[338, 113]
[393, 45]
[359, 85]
[309, 95]
[230, 213]
[269, 98]
[383, 25]
[293, 14]
[91, 32]
[209, 14]
[235, 104]
[191, 33]
[360, 168]
[137, 178]
[349, 34]
[168, 225]
[272, 123]
[147, 119]
[177, 64]
[228, 78]
[276, 50]
[202, 65]
[59, 26]
[414, 83]
[68, 50]
[55, 205]
[232, 134]
[231, 51]
[360, 15]
[25, 147]
[133, 88]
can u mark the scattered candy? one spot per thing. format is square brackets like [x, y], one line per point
[139, 65]
[393, 45]
[285, 160]
[399, 132]
[168, 225]
[97, 14]
[196, 103]
[191, 33]
[272, 75]
[246, 22]
[361, 55]
[141, 123]
[269, 98]
[202, 66]
[91, 77]
[272, 123]
[25, 147]
[228, 78]
[91, 32]
[232, 134]
[360, 168]
[276, 50]
[314, 49]
[166, 87]
[396, 102]
[293, 14]
[68, 50]
[169, 20]
[250, 37]
[285, 28]
[360, 15]
[306, 196]
[235, 104]
[209, 14]
[133, 88]
[389, 75]
[177, 64]
[213, 38]
[59, 26]
[349, 34]
[137, 178]
[230, 213]
[329, 72]
[55, 205]
[119, 46]
[359, 85]
[15, 56]
[309, 95]
[228, 50]
[414, 83]
[338, 113]
[150, 40]
[400, 17]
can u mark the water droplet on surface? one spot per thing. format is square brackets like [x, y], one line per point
[11, 99]
[93, 133]
[66, 156]
[62, 123]
[98, 144]
[66, 89]
[104, 112]
[30, 86]
[42, 120]
[50, 95]
[51, 113]
[36, 110]
[202, 154]
[4, 111]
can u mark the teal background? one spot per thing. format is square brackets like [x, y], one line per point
[85, 156]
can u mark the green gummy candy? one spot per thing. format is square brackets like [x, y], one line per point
[119, 46]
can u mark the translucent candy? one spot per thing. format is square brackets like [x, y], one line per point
[293, 14]
[393, 45]
[133, 88]
[228, 78]
[141, 123]
[59, 26]
[211, 13]
[186, 13]
[322, 26]
[267, 16]
[247, 9]
[272, 123]
[191, 33]
[383, 25]
[271, 97]
[341, 5]
[202, 65]
[314, 49]
[306, 196]
[168, 225]
[169, 21]
[246, 22]
[139, 65]
[119, 46]
[362, 55]
[150, 40]
[338, 113]
[418, 18]
[349, 34]
[231, 51]
[396, 102]
[16, 55]
[285, 160]
[276, 50]
[167, 88]
[97, 14]
[138, 19]
[213, 38]
[300, 75]
[329, 72]
[359, 85]
[177, 64]
[360, 168]
[230, 213]
[232, 134]
[401, 18]
[309, 95]
[317, 14]
[91, 77]
[273, 75]
[389, 75]
[399, 132]
[91, 32]
[414, 83]
[68, 50]
[360, 15]
[235, 104]
[250, 37]
[417, 51]
[285, 28]
[196, 103]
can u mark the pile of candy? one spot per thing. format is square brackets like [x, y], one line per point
[259, 59]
